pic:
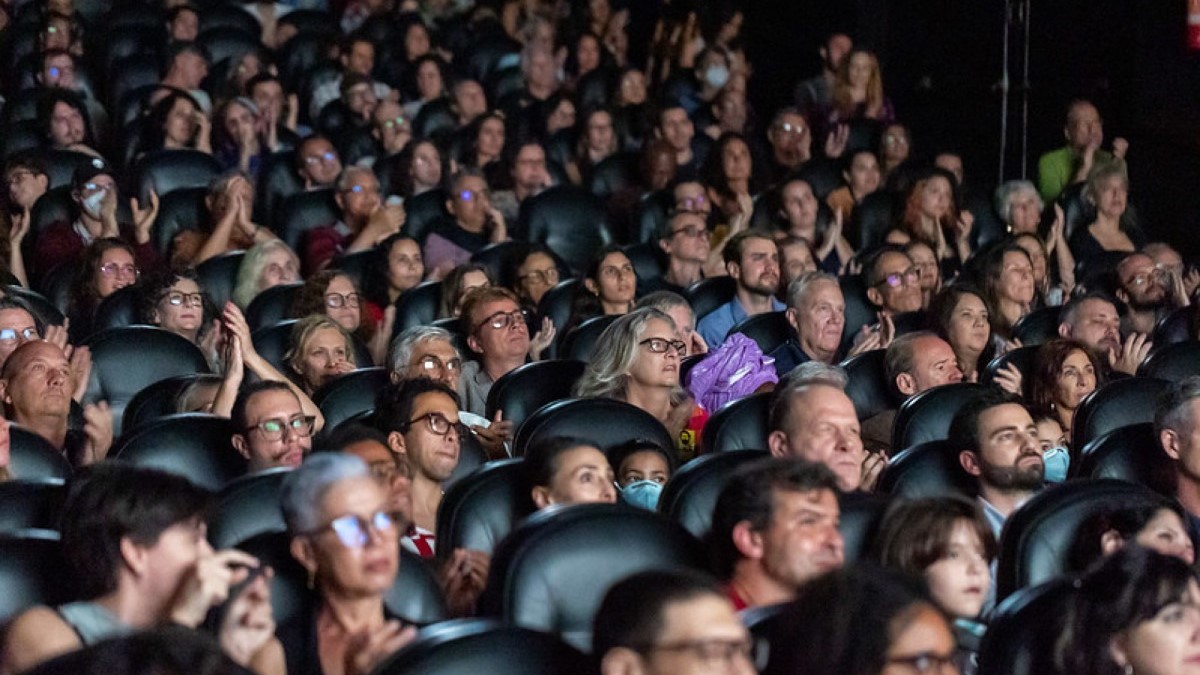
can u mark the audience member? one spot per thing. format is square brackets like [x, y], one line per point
[815, 421]
[1175, 423]
[1092, 319]
[565, 470]
[271, 429]
[1073, 163]
[752, 259]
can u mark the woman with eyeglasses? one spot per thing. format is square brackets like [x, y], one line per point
[534, 273]
[174, 301]
[344, 536]
[1138, 611]
[333, 294]
[636, 360]
[108, 266]
[608, 288]
[318, 351]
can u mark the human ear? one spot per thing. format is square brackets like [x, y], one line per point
[969, 462]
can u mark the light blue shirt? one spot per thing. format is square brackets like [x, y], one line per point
[716, 324]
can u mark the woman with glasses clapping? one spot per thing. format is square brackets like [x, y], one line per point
[334, 294]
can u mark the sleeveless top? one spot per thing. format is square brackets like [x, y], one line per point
[91, 622]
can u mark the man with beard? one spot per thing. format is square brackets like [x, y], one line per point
[1149, 290]
[752, 259]
[997, 443]
[1093, 320]
[1175, 424]
[270, 427]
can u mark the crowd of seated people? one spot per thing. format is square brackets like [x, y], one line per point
[386, 260]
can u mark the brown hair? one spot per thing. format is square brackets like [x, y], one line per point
[916, 534]
[1047, 363]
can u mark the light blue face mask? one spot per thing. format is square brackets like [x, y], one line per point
[716, 76]
[642, 494]
[1056, 461]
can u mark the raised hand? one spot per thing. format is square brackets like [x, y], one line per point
[541, 339]
[369, 648]
[1131, 354]
[835, 142]
[97, 432]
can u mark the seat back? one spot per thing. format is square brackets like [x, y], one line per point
[1129, 453]
[738, 425]
[867, 384]
[568, 220]
[31, 504]
[483, 507]
[708, 294]
[859, 311]
[861, 514]
[1036, 539]
[551, 573]
[580, 343]
[126, 360]
[603, 421]
[302, 212]
[556, 303]
[690, 495]
[271, 343]
[768, 330]
[119, 310]
[277, 180]
[161, 399]
[1173, 362]
[929, 469]
[417, 306]
[523, 390]
[1021, 634]
[218, 276]
[246, 507]
[31, 457]
[165, 171]
[32, 572]
[1037, 327]
[197, 446]
[484, 646]
[1117, 404]
[1174, 327]
[1022, 359]
[179, 210]
[422, 212]
[350, 395]
[926, 416]
[42, 308]
[272, 306]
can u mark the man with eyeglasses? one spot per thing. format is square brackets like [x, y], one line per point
[270, 428]
[95, 194]
[365, 220]
[357, 56]
[317, 162]
[774, 529]
[527, 167]
[684, 238]
[670, 623]
[893, 282]
[474, 223]
[752, 260]
[391, 127]
[496, 330]
[1149, 291]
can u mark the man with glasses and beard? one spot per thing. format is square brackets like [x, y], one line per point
[997, 443]
[271, 427]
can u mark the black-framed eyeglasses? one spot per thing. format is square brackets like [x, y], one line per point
[502, 320]
[10, 335]
[925, 663]
[274, 428]
[354, 531]
[336, 300]
[180, 299]
[662, 345]
[431, 363]
[546, 276]
[438, 424]
[897, 279]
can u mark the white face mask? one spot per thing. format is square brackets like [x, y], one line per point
[716, 76]
[91, 203]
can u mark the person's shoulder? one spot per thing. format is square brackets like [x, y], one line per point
[36, 635]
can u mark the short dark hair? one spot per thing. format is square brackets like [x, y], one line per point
[619, 453]
[915, 534]
[237, 416]
[1171, 410]
[1070, 311]
[633, 610]
[349, 433]
[749, 495]
[14, 302]
[52, 97]
[1126, 521]
[112, 501]
[542, 457]
[394, 403]
[871, 274]
[735, 244]
[964, 428]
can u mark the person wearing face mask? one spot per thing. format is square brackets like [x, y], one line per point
[1055, 456]
[642, 468]
[712, 73]
[95, 196]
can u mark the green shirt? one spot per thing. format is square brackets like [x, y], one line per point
[1057, 168]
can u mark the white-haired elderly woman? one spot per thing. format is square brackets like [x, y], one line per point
[266, 264]
[1020, 207]
[429, 351]
[637, 360]
[344, 536]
